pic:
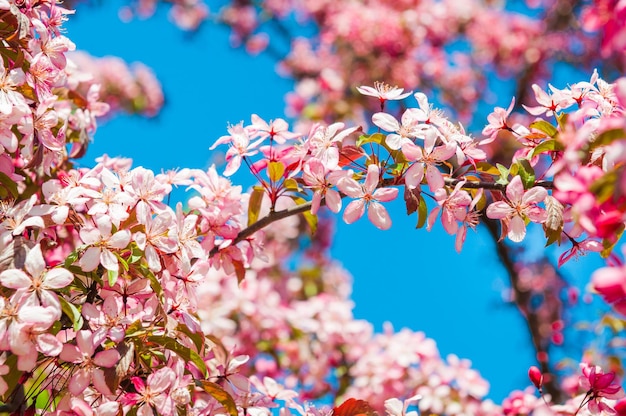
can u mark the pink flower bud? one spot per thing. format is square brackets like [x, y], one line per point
[535, 376]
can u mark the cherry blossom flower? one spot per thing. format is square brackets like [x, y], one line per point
[37, 287]
[519, 206]
[396, 407]
[277, 130]
[599, 386]
[88, 372]
[270, 388]
[384, 92]
[240, 147]
[322, 181]
[152, 394]
[17, 217]
[429, 157]
[323, 141]
[102, 242]
[549, 103]
[367, 197]
[402, 133]
[497, 121]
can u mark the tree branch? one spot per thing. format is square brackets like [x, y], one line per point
[522, 297]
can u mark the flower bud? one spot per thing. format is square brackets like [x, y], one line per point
[535, 376]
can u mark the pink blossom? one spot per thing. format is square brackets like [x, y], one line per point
[321, 180]
[37, 287]
[402, 133]
[383, 92]
[324, 140]
[240, 147]
[497, 121]
[102, 245]
[429, 158]
[277, 130]
[89, 371]
[367, 196]
[520, 205]
[599, 386]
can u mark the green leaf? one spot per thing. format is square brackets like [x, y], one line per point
[526, 173]
[112, 277]
[604, 187]
[609, 245]
[504, 174]
[136, 254]
[311, 220]
[8, 184]
[377, 138]
[254, 205]
[275, 171]
[607, 137]
[487, 168]
[291, 185]
[72, 312]
[422, 212]
[219, 394]
[183, 352]
[547, 146]
[154, 282]
[70, 259]
[545, 127]
[123, 262]
[196, 338]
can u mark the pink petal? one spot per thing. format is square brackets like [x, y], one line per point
[120, 239]
[515, 190]
[412, 152]
[84, 340]
[15, 279]
[372, 178]
[385, 194]
[414, 175]
[499, 210]
[79, 381]
[460, 238]
[107, 358]
[49, 345]
[35, 263]
[350, 187]
[354, 211]
[333, 200]
[58, 278]
[434, 178]
[517, 229]
[108, 260]
[90, 259]
[379, 216]
[71, 354]
[534, 195]
[386, 122]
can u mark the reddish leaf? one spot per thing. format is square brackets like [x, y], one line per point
[354, 407]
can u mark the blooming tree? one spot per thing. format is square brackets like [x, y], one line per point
[115, 302]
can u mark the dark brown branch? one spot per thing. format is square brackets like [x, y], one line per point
[492, 186]
[265, 221]
[521, 298]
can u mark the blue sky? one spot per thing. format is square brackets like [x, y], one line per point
[411, 278]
